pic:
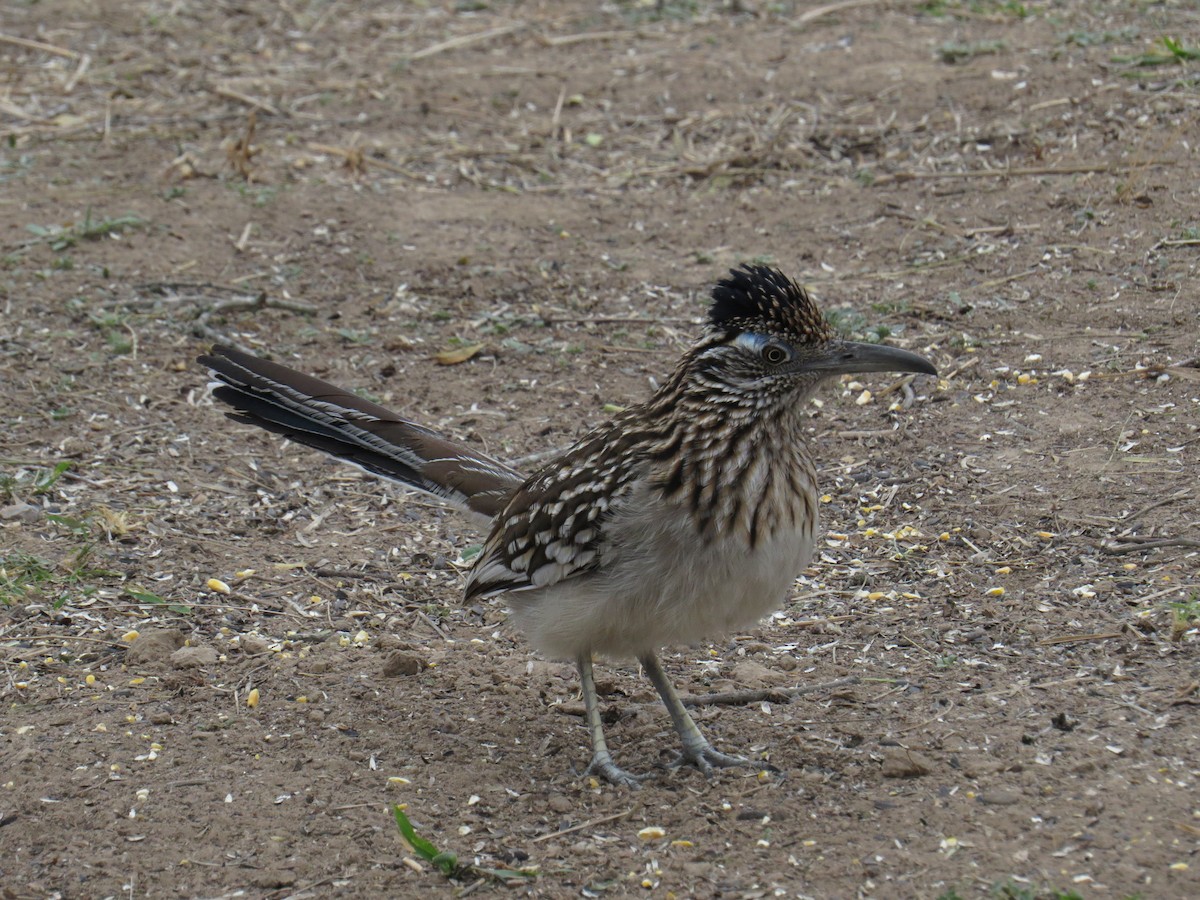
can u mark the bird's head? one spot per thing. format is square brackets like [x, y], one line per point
[766, 338]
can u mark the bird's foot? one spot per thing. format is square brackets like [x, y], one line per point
[602, 764]
[705, 757]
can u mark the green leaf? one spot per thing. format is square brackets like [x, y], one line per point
[144, 596]
[70, 523]
[425, 849]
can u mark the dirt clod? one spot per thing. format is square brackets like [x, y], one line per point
[193, 657]
[153, 646]
[900, 763]
[400, 663]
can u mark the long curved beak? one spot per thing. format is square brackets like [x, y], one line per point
[845, 357]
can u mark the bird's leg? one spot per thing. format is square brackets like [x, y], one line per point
[696, 749]
[602, 762]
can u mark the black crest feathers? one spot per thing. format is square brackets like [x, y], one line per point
[763, 298]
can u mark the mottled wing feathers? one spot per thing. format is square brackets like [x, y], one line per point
[553, 526]
[759, 298]
[319, 415]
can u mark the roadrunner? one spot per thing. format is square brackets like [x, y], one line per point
[684, 518]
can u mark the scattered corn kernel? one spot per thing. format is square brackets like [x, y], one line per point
[1044, 535]
[398, 780]
[1024, 379]
[876, 595]
[252, 698]
[1179, 867]
[130, 636]
[136, 681]
[826, 498]
[217, 585]
[683, 844]
[243, 573]
[89, 679]
[995, 592]
[652, 833]
[361, 638]
[20, 685]
[1004, 570]
[864, 398]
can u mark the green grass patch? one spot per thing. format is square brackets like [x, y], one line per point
[1165, 51]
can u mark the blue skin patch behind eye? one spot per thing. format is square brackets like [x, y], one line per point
[754, 343]
[748, 340]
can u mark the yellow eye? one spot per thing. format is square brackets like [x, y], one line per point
[774, 355]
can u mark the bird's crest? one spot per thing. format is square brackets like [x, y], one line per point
[761, 298]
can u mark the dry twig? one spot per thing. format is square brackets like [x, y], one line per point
[773, 695]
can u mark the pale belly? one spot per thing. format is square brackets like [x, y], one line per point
[660, 585]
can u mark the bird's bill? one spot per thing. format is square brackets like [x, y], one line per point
[848, 357]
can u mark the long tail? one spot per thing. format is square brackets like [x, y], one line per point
[315, 413]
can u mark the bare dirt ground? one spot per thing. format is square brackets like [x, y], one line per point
[1010, 569]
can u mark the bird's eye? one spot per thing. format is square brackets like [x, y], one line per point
[774, 355]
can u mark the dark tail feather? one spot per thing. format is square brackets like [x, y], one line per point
[319, 415]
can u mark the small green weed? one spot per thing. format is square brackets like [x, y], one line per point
[953, 52]
[153, 599]
[447, 861]
[640, 11]
[940, 8]
[849, 323]
[116, 331]
[26, 577]
[1011, 890]
[1185, 615]
[63, 238]
[20, 573]
[1163, 52]
[31, 482]
[1097, 38]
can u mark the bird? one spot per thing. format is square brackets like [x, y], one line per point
[685, 518]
